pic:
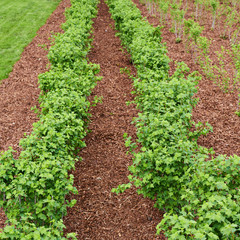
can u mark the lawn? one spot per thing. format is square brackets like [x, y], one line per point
[19, 22]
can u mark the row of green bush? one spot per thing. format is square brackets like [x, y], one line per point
[199, 193]
[33, 187]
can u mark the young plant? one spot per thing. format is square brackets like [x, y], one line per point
[192, 31]
[177, 14]
[214, 8]
[199, 7]
[163, 7]
[187, 26]
[230, 31]
[204, 60]
[235, 39]
[235, 54]
[235, 3]
[223, 76]
[151, 6]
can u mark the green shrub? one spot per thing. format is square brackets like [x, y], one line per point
[33, 187]
[201, 197]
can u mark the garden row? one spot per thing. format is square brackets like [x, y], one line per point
[223, 73]
[201, 197]
[219, 10]
[33, 187]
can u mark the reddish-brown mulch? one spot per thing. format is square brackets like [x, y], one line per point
[100, 214]
[19, 92]
[214, 106]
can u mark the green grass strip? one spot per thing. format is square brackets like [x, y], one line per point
[19, 22]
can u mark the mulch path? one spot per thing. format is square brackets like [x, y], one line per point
[100, 214]
[20, 92]
[214, 106]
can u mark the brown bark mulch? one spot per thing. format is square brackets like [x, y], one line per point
[100, 214]
[20, 92]
[214, 106]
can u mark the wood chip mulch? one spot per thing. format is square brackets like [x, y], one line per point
[214, 106]
[20, 92]
[100, 214]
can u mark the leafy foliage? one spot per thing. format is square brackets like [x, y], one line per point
[201, 197]
[177, 15]
[33, 187]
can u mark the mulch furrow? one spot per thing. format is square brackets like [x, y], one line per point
[100, 214]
